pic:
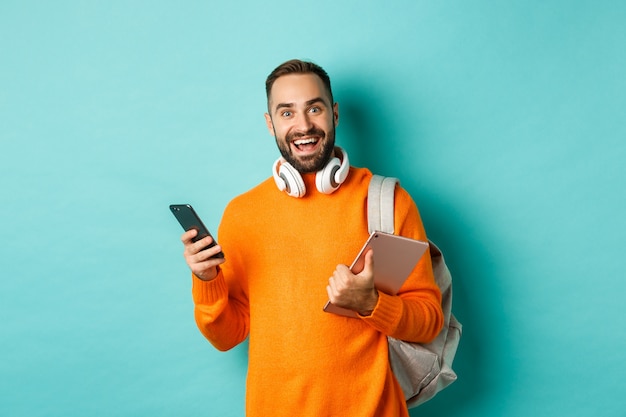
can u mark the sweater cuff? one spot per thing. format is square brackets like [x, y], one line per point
[386, 314]
[209, 292]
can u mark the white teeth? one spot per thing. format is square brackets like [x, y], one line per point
[304, 141]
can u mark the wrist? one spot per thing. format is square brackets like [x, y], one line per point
[209, 275]
[371, 305]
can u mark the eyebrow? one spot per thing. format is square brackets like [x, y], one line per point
[308, 103]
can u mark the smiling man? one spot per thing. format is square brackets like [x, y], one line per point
[302, 117]
[287, 242]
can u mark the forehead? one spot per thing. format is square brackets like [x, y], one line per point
[298, 88]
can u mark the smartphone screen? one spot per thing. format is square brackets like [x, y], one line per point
[189, 219]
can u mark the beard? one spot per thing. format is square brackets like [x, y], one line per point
[311, 163]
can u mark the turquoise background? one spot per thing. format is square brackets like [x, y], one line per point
[503, 119]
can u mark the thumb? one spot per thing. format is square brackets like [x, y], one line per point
[368, 269]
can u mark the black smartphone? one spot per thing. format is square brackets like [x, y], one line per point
[189, 219]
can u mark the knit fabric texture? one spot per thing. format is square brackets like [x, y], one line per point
[280, 252]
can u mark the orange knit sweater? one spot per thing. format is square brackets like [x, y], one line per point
[280, 252]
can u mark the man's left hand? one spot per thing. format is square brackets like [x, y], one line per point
[354, 292]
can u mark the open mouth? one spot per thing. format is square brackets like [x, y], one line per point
[305, 144]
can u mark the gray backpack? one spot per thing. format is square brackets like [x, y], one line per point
[421, 369]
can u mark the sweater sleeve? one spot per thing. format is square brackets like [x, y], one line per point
[219, 318]
[415, 313]
[221, 306]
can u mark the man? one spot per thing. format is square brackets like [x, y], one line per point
[286, 243]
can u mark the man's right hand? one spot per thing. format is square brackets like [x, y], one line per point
[198, 260]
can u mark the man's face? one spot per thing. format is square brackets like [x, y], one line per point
[302, 118]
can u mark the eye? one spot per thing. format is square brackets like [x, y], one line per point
[286, 113]
[315, 109]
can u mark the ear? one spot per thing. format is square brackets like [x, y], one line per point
[336, 113]
[270, 125]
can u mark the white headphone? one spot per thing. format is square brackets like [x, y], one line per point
[327, 180]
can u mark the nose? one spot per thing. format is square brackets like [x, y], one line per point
[303, 122]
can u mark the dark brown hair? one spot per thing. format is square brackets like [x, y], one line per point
[296, 66]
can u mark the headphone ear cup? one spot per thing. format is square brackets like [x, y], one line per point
[325, 179]
[294, 184]
[330, 178]
[342, 173]
[279, 180]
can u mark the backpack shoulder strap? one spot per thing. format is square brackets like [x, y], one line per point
[419, 383]
[380, 204]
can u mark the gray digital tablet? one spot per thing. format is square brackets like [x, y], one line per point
[395, 258]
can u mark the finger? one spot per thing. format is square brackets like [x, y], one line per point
[195, 255]
[194, 252]
[208, 253]
[342, 269]
[203, 265]
[331, 283]
[369, 263]
[187, 237]
[204, 256]
[193, 248]
[202, 243]
[337, 281]
[332, 293]
[342, 275]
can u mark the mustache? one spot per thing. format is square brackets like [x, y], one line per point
[314, 131]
